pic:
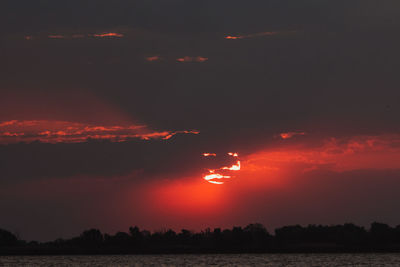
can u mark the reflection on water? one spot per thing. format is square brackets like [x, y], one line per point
[306, 260]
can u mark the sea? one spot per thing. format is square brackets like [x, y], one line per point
[306, 260]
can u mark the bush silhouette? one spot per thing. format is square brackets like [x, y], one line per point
[7, 238]
[252, 238]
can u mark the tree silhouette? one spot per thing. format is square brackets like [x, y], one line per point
[7, 238]
[252, 238]
[91, 237]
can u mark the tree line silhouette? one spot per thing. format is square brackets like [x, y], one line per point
[253, 238]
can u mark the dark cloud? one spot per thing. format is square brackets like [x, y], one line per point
[178, 156]
[204, 16]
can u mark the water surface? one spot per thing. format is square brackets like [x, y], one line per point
[306, 260]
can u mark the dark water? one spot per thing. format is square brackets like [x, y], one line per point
[305, 260]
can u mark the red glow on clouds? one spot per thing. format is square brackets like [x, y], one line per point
[108, 34]
[233, 154]
[48, 131]
[12, 134]
[192, 59]
[212, 176]
[234, 167]
[153, 58]
[79, 35]
[171, 134]
[271, 184]
[335, 154]
[272, 167]
[230, 37]
[290, 134]
[215, 176]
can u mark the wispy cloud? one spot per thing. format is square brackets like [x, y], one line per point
[153, 58]
[107, 35]
[75, 132]
[253, 35]
[288, 135]
[192, 59]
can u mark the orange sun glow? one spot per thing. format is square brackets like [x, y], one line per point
[215, 176]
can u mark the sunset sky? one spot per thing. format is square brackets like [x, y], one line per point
[112, 113]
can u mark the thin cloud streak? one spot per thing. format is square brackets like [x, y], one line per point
[198, 59]
[74, 132]
[253, 35]
[289, 135]
[153, 58]
[107, 35]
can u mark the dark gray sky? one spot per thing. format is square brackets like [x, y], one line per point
[328, 68]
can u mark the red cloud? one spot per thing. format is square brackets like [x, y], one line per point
[80, 35]
[108, 34]
[153, 58]
[335, 154]
[259, 34]
[229, 37]
[290, 134]
[74, 132]
[192, 59]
